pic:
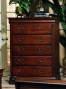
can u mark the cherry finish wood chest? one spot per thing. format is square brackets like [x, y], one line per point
[34, 47]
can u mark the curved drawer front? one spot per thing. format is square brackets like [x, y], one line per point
[30, 28]
[30, 71]
[32, 50]
[32, 60]
[31, 39]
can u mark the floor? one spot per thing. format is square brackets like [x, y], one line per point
[8, 88]
[5, 83]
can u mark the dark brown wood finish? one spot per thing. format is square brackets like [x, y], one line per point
[32, 60]
[34, 47]
[32, 39]
[39, 83]
[1, 73]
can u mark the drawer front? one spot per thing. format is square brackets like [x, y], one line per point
[31, 39]
[32, 50]
[30, 71]
[31, 28]
[32, 60]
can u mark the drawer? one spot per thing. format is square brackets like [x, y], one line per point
[31, 71]
[31, 28]
[32, 50]
[31, 39]
[32, 60]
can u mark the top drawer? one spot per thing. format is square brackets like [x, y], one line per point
[31, 28]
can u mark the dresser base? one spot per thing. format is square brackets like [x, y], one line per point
[36, 83]
[12, 79]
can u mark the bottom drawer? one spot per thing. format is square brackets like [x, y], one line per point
[29, 71]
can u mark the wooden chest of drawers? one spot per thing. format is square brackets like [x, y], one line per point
[34, 47]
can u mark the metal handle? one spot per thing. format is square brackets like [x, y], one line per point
[20, 71]
[5, 38]
[21, 29]
[41, 61]
[20, 40]
[42, 71]
[41, 40]
[20, 60]
[21, 50]
[41, 29]
[41, 50]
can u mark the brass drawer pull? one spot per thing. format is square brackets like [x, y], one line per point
[42, 71]
[41, 29]
[21, 29]
[41, 40]
[20, 60]
[41, 61]
[20, 40]
[20, 71]
[21, 50]
[41, 50]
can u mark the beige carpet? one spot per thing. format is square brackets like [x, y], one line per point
[5, 83]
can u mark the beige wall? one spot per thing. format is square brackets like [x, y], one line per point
[62, 50]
